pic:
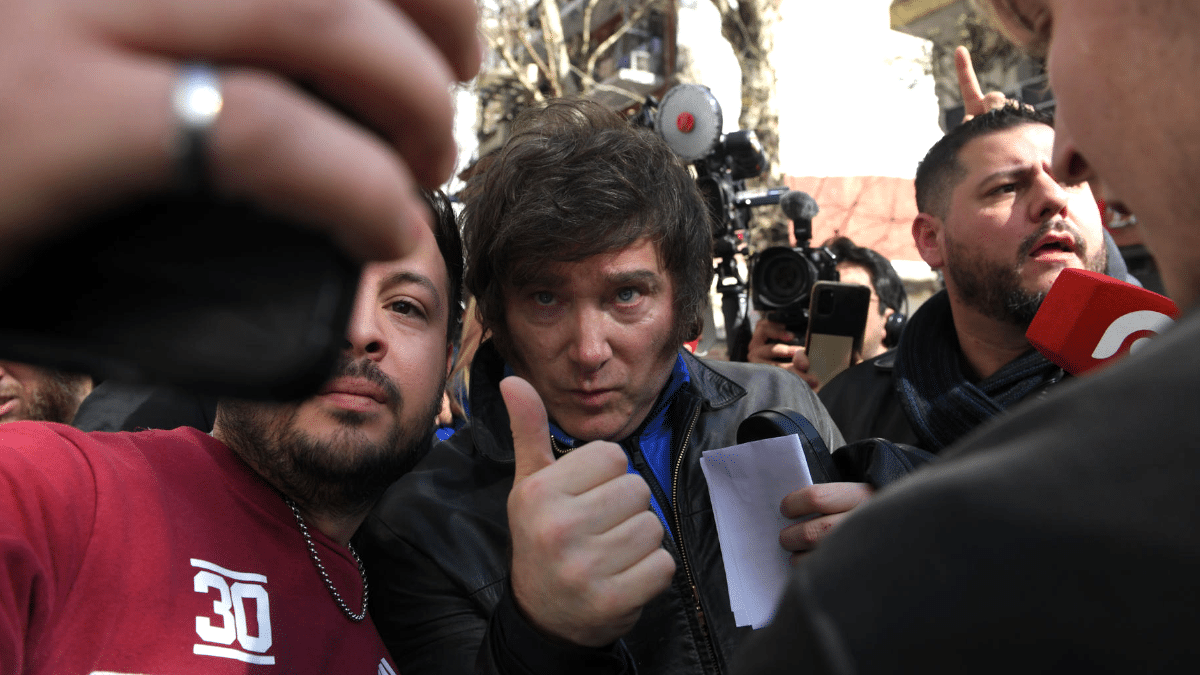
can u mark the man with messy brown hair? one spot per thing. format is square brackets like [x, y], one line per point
[568, 527]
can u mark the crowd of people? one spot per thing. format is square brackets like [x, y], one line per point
[562, 522]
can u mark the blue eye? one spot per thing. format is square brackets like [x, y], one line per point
[627, 295]
[543, 298]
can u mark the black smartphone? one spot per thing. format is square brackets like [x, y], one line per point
[217, 297]
[837, 318]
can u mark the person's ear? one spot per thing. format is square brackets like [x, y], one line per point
[928, 233]
[449, 357]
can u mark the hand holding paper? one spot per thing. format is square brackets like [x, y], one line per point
[746, 484]
[822, 507]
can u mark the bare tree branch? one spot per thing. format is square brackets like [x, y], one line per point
[749, 29]
[556, 49]
[592, 85]
[751, 19]
[533, 53]
[588, 8]
[518, 72]
[503, 27]
[612, 39]
[586, 81]
[527, 37]
[732, 26]
[631, 95]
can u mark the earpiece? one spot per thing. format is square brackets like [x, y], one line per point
[892, 329]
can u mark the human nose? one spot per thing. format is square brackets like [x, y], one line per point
[1050, 199]
[1069, 166]
[590, 347]
[363, 334]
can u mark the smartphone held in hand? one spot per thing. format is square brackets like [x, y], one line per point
[837, 320]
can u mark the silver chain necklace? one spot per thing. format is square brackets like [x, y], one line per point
[312, 552]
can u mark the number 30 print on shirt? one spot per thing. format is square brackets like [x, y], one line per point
[241, 608]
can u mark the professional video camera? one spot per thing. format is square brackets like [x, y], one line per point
[782, 277]
[689, 119]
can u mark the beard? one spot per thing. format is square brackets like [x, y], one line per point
[997, 290]
[341, 475]
[55, 398]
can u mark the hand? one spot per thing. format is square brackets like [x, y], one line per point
[768, 345]
[975, 102]
[800, 366]
[587, 550]
[445, 416]
[88, 124]
[825, 505]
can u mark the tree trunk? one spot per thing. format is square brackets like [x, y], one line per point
[750, 30]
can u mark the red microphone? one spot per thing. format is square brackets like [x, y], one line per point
[1089, 319]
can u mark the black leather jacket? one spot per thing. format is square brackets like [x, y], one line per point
[437, 545]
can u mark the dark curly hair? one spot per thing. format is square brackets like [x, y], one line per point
[888, 285]
[577, 180]
[449, 241]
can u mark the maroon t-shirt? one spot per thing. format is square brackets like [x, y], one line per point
[162, 552]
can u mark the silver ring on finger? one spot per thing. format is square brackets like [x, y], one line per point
[196, 102]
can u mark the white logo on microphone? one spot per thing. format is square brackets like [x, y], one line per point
[1133, 322]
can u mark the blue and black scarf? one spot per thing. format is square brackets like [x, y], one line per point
[941, 402]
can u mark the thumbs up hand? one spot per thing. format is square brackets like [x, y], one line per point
[587, 548]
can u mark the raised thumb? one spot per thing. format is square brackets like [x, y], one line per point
[530, 429]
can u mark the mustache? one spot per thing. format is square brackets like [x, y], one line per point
[367, 370]
[1051, 225]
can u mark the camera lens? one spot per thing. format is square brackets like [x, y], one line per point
[783, 277]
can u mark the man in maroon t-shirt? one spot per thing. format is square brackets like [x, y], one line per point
[176, 551]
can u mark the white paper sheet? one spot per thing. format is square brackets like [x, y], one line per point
[746, 484]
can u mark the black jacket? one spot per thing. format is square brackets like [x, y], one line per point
[864, 404]
[437, 545]
[1061, 538]
[117, 406]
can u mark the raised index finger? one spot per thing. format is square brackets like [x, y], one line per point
[968, 83]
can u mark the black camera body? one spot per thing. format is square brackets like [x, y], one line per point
[689, 120]
[212, 295]
[721, 176]
[782, 280]
[782, 277]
